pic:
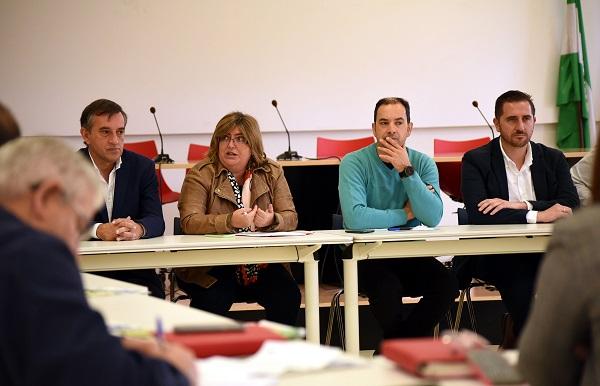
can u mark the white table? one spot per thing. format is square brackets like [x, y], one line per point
[193, 251]
[378, 371]
[444, 240]
[141, 312]
[94, 283]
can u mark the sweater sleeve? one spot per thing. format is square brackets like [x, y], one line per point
[427, 206]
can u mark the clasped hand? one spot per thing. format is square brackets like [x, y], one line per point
[255, 218]
[120, 229]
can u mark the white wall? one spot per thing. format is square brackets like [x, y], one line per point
[326, 61]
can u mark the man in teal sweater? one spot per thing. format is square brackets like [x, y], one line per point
[384, 185]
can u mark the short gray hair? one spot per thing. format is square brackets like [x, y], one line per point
[27, 162]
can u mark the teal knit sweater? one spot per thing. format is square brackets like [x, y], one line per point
[373, 195]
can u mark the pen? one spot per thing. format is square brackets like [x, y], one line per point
[160, 333]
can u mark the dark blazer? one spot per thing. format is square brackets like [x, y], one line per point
[49, 335]
[136, 194]
[484, 176]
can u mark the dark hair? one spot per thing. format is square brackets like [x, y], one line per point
[97, 108]
[9, 128]
[392, 101]
[512, 96]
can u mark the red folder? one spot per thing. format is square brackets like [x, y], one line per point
[428, 357]
[228, 343]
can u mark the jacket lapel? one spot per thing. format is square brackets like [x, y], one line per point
[499, 169]
[537, 173]
[121, 177]
[102, 215]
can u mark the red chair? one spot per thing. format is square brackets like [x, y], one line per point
[450, 175]
[148, 149]
[327, 147]
[197, 152]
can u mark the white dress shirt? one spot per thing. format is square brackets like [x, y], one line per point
[109, 189]
[520, 184]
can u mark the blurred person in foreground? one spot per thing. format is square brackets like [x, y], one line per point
[238, 189]
[561, 341]
[49, 335]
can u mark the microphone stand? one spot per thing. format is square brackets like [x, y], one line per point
[161, 158]
[476, 105]
[289, 154]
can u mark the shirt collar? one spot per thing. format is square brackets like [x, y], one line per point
[117, 164]
[528, 157]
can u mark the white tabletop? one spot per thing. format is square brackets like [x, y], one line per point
[139, 311]
[198, 242]
[95, 283]
[377, 372]
[451, 231]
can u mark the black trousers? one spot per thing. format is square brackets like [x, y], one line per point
[514, 277]
[275, 290]
[144, 277]
[386, 281]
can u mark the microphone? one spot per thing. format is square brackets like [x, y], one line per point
[162, 158]
[289, 154]
[476, 105]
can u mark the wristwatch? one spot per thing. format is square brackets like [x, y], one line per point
[407, 172]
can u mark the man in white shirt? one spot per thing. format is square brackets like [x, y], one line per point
[132, 207]
[512, 180]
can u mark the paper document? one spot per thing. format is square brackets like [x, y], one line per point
[274, 359]
[274, 234]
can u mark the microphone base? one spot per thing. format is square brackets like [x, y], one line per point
[290, 155]
[163, 158]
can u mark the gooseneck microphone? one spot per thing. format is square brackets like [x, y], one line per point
[476, 105]
[162, 158]
[289, 154]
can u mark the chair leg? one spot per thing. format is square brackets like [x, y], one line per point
[340, 319]
[334, 311]
[471, 310]
[459, 308]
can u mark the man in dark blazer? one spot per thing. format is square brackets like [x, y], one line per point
[132, 207]
[512, 180]
[49, 335]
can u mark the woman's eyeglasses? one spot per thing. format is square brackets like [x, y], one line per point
[238, 140]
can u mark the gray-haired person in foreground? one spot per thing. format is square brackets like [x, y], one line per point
[48, 333]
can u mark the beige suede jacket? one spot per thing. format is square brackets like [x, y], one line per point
[207, 200]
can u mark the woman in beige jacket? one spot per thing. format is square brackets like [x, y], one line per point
[237, 189]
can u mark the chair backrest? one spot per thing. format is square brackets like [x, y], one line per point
[450, 173]
[197, 152]
[148, 149]
[145, 148]
[442, 146]
[327, 147]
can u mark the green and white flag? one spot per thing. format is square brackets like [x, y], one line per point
[576, 124]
